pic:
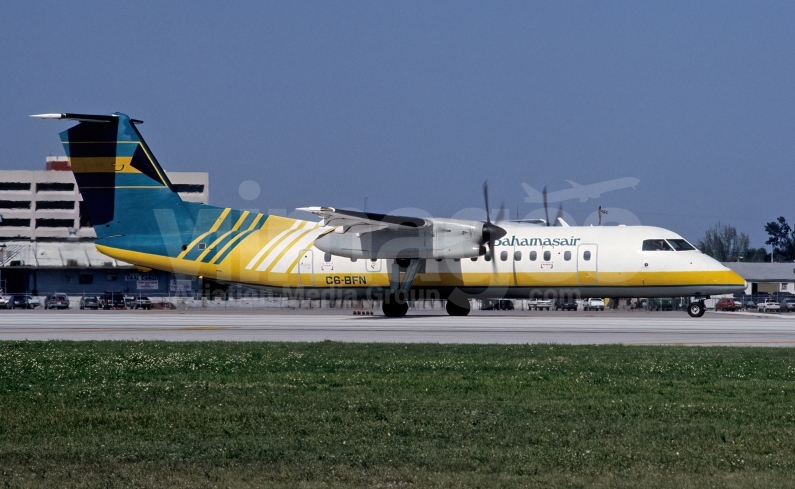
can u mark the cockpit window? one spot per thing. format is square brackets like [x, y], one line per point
[656, 245]
[681, 245]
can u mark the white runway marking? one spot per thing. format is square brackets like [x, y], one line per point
[274, 325]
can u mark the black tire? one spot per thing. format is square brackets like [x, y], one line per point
[454, 309]
[696, 309]
[393, 307]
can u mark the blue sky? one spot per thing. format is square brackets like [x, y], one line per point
[414, 105]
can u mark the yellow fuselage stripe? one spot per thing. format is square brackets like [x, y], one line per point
[259, 259]
[286, 249]
[213, 229]
[235, 239]
[223, 236]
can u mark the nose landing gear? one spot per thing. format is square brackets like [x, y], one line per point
[696, 309]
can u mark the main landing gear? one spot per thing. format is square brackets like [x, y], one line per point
[696, 309]
[396, 301]
[454, 309]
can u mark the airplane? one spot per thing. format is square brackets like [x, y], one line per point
[140, 219]
[577, 191]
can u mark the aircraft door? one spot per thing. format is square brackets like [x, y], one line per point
[586, 264]
[306, 273]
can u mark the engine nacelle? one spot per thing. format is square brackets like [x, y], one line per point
[442, 239]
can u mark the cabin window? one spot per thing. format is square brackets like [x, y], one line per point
[656, 245]
[533, 256]
[327, 257]
[517, 255]
[586, 255]
[504, 255]
[681, 245]
[474, 259]
[456, 259]
[353, 260]
[567, 255]
[487, 256]
[547, 255]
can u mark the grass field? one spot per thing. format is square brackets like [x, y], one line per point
[123, 414]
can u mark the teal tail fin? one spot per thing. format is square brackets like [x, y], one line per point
[130, 201]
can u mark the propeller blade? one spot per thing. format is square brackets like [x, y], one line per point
[546, 209]
[491, 232]
[560, 214]
[486, 199]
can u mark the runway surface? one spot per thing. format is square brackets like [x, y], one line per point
[480, 327]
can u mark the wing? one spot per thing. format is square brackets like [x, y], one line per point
[365, 222]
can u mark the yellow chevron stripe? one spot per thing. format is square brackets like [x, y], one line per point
[226, 247]
[254, 223]
[286, 249]
[223, 236]
[264, 255]
[240, 220]
[235, 239]
[214, 228]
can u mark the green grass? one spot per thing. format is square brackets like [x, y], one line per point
[124, 414]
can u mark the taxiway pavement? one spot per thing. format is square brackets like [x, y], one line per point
[481, 327]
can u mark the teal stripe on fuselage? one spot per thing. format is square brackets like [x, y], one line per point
[237, 243]
[248, 220]
[225, 227]
[241, 229]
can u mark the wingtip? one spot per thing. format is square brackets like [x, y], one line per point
[47, 116]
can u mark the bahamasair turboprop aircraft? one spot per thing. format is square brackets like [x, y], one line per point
[140, 219]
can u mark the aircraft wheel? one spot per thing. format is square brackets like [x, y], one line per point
[454, 309]
[696, 309]
[394, 308]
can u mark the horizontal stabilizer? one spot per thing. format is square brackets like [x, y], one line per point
[84, 117]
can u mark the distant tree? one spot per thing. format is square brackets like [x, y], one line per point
[756, 255]
[782, 237]
[723, 243]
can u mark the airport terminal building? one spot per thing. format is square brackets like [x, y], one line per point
[46, 244]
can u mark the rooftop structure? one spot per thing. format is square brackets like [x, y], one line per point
[47, 204]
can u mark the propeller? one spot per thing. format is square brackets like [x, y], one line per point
[491, 232]
[556, 222]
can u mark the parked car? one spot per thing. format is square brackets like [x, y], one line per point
[787, 304]
[89, 302]
[595, 304]
[112, 300]
[543, 304]
[144, 303]
[24, 301]
[56, 301]
[5, 302]
[566, 304]
[769, 305]
[725, 305]
[748, 302]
